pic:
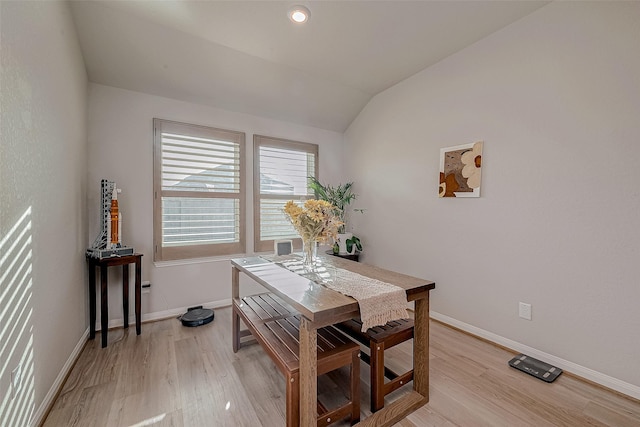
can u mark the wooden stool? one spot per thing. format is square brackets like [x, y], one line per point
[378, 339]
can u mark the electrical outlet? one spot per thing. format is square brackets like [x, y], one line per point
[146, 287]
[524, 310]
[16, 376]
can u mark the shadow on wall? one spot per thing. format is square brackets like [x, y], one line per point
[17, 385]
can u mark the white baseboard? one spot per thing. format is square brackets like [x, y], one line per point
[581, 371]
[166, 314]
[38, 416]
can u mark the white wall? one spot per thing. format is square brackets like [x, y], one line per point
[556, 98]
[121, 149]
[43, 223]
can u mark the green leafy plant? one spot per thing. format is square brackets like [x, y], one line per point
[353, 241]
[340, 197]
[349, 244]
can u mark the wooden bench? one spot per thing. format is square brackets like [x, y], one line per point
[275, 325]
[378, 339]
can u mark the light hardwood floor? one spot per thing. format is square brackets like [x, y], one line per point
[172, 375]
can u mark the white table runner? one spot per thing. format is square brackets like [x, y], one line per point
[379, 302]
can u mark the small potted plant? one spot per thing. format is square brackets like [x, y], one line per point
[353, 244]
[340, 197]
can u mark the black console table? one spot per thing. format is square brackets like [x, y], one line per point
[104, 264]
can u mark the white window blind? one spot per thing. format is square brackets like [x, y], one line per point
[198, 191]
[281, 171]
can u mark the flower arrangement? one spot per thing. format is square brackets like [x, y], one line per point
[315, 220]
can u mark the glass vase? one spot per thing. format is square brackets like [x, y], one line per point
[309, 254]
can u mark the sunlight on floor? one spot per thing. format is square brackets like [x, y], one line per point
[150, 421]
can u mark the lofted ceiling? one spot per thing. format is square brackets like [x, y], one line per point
[247, 56]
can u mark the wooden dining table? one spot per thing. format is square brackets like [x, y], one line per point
[321, 306]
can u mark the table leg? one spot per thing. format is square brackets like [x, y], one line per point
[235, 319]
[104, 305]
[308, 373]
[421, 348]
[138, 295]
[92, 299]
[235, 283]
[125, 294]
[377, 375]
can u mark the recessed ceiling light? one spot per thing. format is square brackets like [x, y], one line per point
[299, 14]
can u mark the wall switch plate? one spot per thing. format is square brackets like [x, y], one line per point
[524, 310]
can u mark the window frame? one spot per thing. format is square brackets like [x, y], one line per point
[184, 252]
[268, 141]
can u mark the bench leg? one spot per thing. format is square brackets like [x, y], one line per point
[377, 376]
[293, 400]
[235, 330]
[355, 387]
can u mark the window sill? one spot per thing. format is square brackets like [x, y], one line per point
[220, 258]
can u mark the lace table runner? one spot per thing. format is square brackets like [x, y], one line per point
[379, 302]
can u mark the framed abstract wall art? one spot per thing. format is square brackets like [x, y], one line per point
[460, 170]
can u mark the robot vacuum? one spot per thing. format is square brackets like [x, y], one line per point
[196, 316]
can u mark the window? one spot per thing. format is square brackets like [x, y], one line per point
[199, 192]
[281, 169]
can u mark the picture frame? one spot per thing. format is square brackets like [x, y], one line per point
[283, 247]
[461, 170]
